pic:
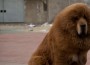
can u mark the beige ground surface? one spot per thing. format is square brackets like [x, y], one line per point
[16, 49]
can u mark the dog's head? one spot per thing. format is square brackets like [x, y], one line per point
[74, 20]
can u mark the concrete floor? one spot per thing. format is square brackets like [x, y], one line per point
[16, 48]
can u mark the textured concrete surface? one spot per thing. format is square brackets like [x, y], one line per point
[16, 49]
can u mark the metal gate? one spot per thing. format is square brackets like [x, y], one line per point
[11, 10]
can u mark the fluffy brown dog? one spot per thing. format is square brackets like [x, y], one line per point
[68, 41]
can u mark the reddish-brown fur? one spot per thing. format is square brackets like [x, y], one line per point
[62, 45]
